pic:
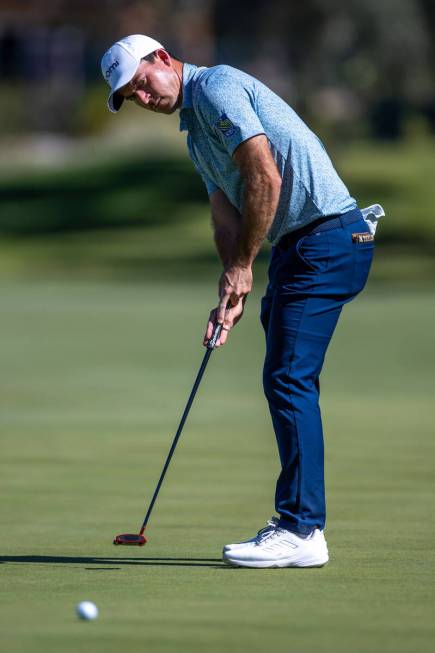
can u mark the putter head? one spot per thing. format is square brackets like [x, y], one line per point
[130, 539]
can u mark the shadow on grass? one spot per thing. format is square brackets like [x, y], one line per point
[119, 194]
[144, 192]
[69, 560]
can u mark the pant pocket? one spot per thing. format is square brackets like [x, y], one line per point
[313, 251]
[363, 257]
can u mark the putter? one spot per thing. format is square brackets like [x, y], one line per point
[133, 539]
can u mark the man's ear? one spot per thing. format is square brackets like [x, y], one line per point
[163, 56]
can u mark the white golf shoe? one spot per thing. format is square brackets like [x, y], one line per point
[281, 548]
[261, 536]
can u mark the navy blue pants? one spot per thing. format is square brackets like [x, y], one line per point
[312, 274]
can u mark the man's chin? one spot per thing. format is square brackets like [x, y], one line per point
[163, 106]
[166, 107]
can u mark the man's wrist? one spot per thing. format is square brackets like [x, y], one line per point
[246, 252]
[240, 262]
[242, 267]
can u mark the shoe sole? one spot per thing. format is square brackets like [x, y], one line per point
[277, 564]
[234, 547]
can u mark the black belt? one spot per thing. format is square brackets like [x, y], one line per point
[322, 224]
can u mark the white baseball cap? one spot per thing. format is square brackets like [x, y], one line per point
[121, 61]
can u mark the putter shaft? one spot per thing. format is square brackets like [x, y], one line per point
[210, 346]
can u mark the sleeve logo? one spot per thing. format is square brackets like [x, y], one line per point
[225, 126]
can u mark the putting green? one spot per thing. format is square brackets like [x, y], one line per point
[94, 379]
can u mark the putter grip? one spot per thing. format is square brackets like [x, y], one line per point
[215, 336]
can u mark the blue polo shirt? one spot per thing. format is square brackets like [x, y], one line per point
[221, 108]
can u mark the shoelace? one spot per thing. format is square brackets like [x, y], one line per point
[277, 533]
[290, 536]
[264, 533]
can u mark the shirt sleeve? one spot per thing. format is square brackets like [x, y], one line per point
[226, 107]
[209, 184]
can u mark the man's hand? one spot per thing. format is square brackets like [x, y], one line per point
[231, 317]
[234, 286]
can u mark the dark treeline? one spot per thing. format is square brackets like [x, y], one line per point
[360, 64]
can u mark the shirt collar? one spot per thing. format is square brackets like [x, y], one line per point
[189, 71]
[189, 74]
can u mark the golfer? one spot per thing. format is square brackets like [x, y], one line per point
[267, 176]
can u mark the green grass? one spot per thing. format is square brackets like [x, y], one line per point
[94, 378]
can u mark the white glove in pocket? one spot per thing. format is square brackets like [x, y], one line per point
[372, 214]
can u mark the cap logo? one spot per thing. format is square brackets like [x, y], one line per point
[111, 68]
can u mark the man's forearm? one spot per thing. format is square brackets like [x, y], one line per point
[261, 199]
[226, 240]
[226, 226]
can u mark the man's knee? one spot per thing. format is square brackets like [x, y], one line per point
[285, 384]
[278, 383]
[267, 381]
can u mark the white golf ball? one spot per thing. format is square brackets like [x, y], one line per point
[87, 610]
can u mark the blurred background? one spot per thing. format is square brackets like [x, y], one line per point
[85, 192]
